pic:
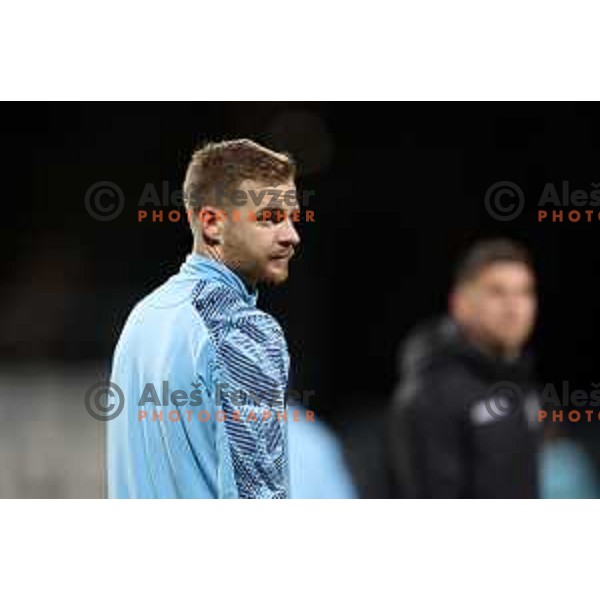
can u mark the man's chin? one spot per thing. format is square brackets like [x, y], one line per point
[513, 343]
[275, 276]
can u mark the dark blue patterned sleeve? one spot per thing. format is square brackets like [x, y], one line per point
[252, 369]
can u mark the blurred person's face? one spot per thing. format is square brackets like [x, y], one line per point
[258, 237]
[498, 307]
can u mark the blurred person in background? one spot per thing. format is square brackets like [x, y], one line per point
[318, 469]
[464, 419]
[566, 468]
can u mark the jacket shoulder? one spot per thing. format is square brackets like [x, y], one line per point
[443, 388]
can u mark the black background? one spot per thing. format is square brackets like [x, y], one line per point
[399, 195]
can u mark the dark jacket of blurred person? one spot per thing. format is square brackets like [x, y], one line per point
[464, 421]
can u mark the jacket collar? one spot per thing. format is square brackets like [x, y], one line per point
[200, 266]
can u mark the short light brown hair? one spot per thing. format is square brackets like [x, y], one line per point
[221, 167]
[487, 252]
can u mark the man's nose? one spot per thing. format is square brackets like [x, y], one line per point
[289, 235]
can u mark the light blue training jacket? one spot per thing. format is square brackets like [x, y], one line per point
[203, 374]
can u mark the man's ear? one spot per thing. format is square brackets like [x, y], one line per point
[464, 302]
[211, 222]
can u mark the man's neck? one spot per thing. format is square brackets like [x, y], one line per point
[214, 254]
[208, 252]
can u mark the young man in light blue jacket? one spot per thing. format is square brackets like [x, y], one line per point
[203, 372]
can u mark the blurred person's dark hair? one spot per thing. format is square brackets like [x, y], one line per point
[487, 252]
